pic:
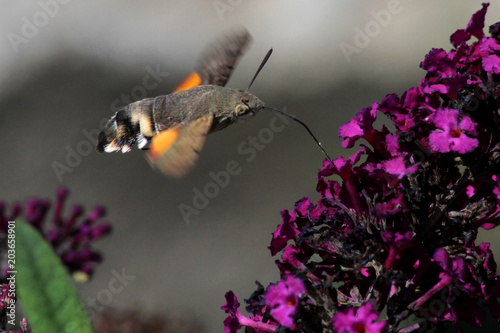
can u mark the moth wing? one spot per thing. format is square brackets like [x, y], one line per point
[175, 151]
[218, 60]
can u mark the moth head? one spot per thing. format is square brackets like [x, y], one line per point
[248, 105]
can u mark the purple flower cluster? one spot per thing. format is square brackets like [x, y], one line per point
[71, 236]
[394, 230]
[358, 320]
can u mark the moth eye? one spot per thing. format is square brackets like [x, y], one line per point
[241, 109]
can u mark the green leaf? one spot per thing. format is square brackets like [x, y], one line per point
[46, 293]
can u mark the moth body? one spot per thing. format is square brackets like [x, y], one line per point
[138, 122]
[174, 127]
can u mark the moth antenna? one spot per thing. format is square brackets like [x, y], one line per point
[266, 58]
[305, 126]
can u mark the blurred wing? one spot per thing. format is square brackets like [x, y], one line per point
[175, 151]
[218, 60]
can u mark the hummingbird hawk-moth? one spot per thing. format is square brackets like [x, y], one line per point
[173, 127]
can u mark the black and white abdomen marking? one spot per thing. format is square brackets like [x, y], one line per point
[130, 125]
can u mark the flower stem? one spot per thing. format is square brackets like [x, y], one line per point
[446, 280]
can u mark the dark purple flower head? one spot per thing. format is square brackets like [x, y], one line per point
[451, 133]
[360, 320]
[236, 320]
[71, 236]
[284, 233]
[361, 127]
[474, 28]
[283, 299]
[437, 61]
[397, 166]
[231, 323]
[293, 258]
[453, 267]
[491, 64]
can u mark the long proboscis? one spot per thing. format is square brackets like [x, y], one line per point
[305, 126]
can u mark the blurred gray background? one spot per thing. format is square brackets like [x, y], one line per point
[64, 66]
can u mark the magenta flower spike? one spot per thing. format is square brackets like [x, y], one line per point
[391, 243]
